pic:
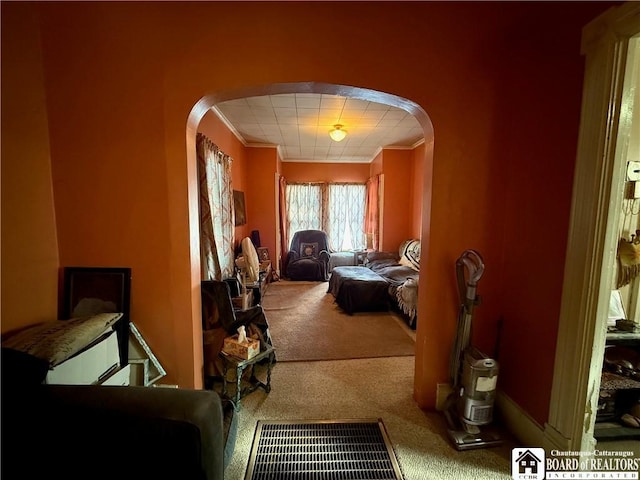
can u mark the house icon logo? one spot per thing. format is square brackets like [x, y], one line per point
[527, 463]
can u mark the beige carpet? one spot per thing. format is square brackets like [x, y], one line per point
[367, 388]
[306, 324]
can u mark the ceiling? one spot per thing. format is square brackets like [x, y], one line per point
[299, 124]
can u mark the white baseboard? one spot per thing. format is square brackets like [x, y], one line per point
[526, 430]
[554, 440]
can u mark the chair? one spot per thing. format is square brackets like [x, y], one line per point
[308, 256]
[220, 319]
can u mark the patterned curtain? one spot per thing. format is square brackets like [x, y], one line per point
[345, 220]
[338, 209]
[372, 215]
[216, 211]
[284, 224]
[304, 208]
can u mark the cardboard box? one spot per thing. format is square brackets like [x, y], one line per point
[244, 350]
[120, 376]
[89, 365]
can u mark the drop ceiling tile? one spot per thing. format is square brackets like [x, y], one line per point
[285, 100]
[251, 128]
[378, 106]
[355, 104]
[308, 115]
[271, 120]
[271, 129]
[388, 122]
[332, 102]
[373, 114]
[290, 139]
[262, 101]
[285, 112]
[303, 101]
[274, 139]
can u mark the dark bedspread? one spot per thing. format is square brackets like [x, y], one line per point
[359, 289]
[392, 271]
[403, 284]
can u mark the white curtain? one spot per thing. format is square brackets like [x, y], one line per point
[338, 209]
[345, 219]
[304, 208]
[216, 211]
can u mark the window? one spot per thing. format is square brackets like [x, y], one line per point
[345, 226]
[304, 207]
[338, 209]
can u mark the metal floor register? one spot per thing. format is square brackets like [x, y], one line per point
[327, 450]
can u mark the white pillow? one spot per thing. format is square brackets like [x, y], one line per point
[410, 254]
[58, 340]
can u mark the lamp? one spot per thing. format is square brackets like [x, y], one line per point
[337, 134]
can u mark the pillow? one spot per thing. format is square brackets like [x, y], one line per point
[309, 250]
[60, 339]
[410, 254]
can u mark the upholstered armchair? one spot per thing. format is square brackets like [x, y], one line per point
[308, 256]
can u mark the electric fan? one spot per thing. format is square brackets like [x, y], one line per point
[249, 267]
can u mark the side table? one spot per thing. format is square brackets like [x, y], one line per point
[240, 365]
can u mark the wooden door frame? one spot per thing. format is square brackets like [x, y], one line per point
[592, 241]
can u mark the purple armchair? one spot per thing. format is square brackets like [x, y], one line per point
[308, 256]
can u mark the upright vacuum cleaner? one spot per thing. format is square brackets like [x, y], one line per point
[473, 375]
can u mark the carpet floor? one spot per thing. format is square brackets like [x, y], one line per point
[320, 450]
[306, 324]
[302, 316]
[360, 389]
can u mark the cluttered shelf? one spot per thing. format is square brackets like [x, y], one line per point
[619, 399]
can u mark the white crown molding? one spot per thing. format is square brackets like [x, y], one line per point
[224, 120]
[263, 145]
[398, 147]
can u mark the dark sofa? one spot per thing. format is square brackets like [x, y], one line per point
[86, 431]
[385, 280]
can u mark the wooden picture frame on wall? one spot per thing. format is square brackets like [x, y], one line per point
[238, 208]
[263, 254]
[92, 290]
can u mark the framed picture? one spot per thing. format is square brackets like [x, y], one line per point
[92, 290]
[238, 208]
[263, 254]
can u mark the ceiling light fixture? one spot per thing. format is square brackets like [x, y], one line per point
[337, 134]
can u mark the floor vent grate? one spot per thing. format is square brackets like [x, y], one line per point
[327, 450]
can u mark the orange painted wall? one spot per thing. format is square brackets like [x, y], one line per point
[397, 166]
[375, 167]
[325, 172]
[261, 195]
[417, 188]
[29, 239]
[120, 81]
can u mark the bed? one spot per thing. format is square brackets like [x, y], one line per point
[387, 279]
[358, 289]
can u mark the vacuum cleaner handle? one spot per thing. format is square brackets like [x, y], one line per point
[472, 261]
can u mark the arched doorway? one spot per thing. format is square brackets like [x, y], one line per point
[206, 102]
